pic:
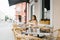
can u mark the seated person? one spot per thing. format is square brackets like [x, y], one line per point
[33, 22]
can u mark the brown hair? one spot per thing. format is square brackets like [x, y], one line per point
[34, 17]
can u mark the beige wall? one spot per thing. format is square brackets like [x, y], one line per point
[56, 15]
[56, 19]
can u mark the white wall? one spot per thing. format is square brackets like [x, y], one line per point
[38, 9]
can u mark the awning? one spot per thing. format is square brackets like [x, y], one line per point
[13, 2]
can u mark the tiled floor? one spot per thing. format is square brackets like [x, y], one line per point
[5, 31]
